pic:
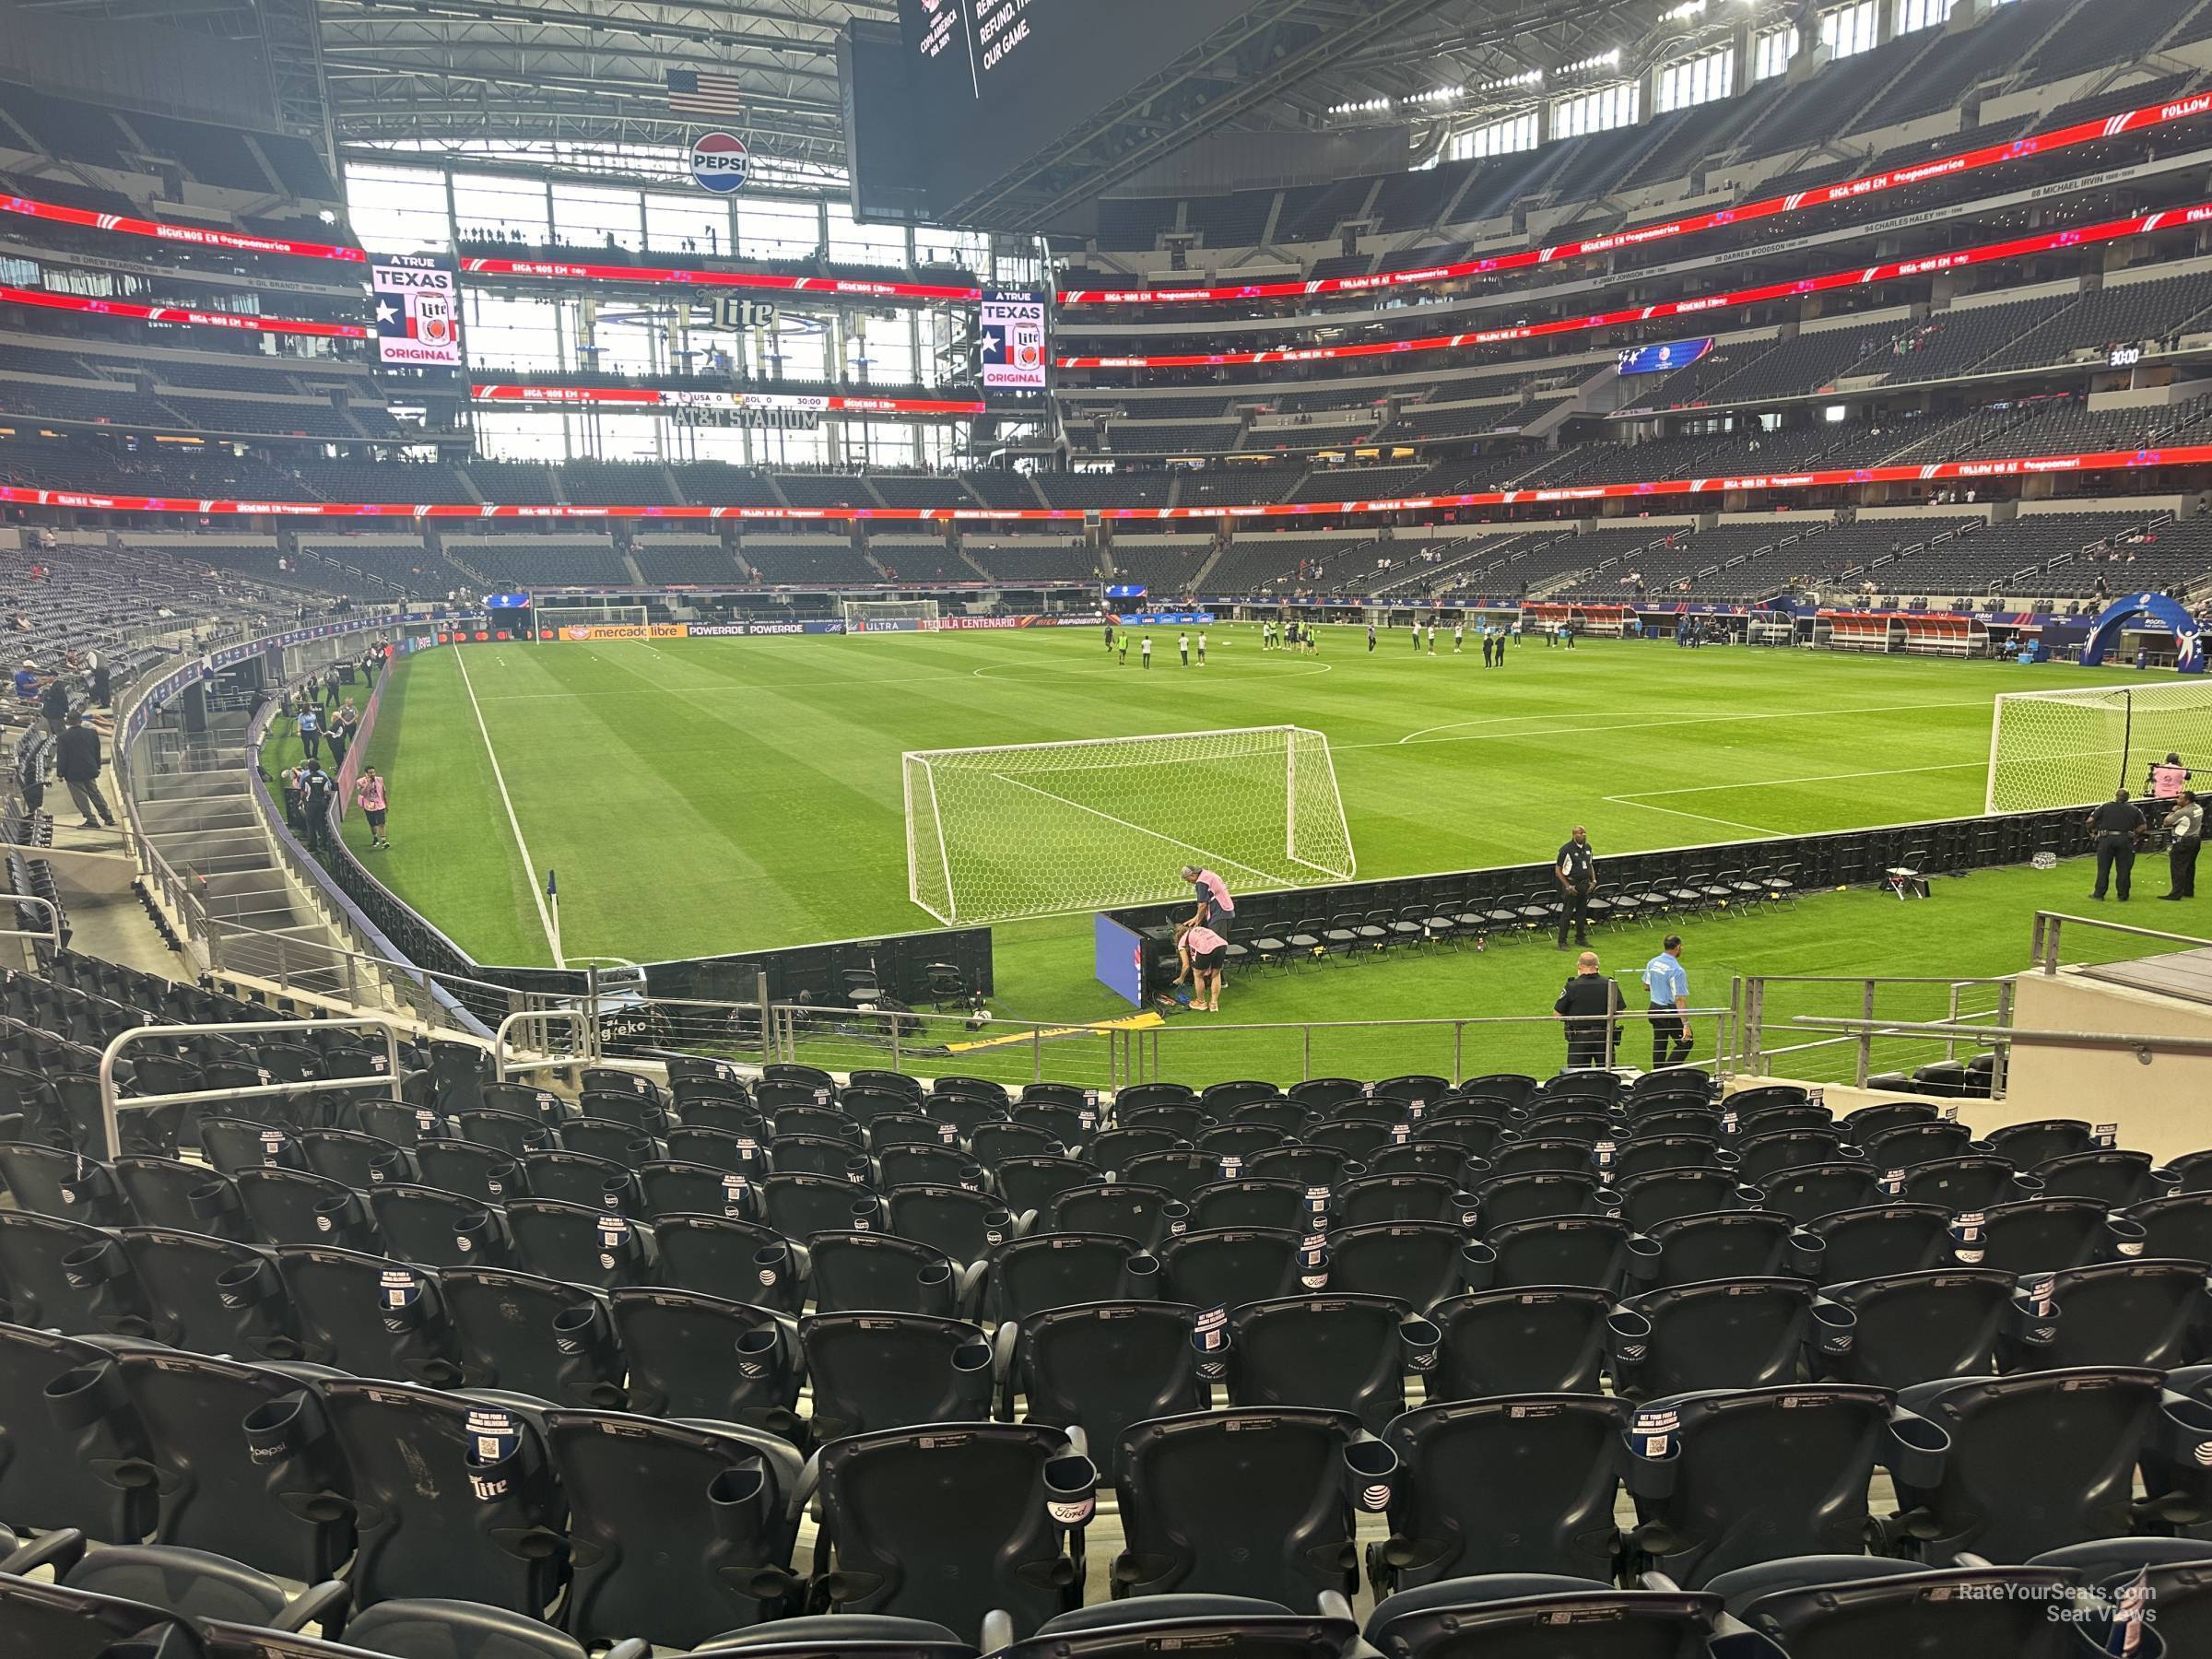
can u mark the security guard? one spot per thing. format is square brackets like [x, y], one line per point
[1575, 869]
[2113, 827]
[1668, 982]
[1587, 1004]
[2186, 823]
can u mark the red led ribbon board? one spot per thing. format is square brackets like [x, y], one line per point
[1970, 471]
[1866, 184]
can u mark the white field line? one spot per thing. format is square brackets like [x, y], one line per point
[529, 868]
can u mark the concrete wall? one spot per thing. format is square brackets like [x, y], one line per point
[2161, 1101]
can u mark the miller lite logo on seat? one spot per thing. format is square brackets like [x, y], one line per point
[720, 162]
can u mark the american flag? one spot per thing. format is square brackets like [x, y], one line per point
[692, 93]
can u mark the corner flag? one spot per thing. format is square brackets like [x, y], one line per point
[553, 903]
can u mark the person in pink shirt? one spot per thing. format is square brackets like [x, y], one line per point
[1214, 906]
[369, 794]
[1202, 950]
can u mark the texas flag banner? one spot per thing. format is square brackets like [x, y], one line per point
[418, 309]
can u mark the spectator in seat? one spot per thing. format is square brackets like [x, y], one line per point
[78, 761]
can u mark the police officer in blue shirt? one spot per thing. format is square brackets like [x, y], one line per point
[1668, 982]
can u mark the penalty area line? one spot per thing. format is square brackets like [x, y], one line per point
[1627, 800]
[529, 869]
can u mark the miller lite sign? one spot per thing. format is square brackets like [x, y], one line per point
[418, 309]
[1012, 325]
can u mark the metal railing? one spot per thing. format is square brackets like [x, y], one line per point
[110, 1102]
[1112, 1054]
[1975, 1017]
[544, 1057]
[2051, 925]
[50, 935]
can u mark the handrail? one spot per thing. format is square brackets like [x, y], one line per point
[110, 1103]
[2049, 925]
[579, 1023]
[2140, 1042]
[53, 934]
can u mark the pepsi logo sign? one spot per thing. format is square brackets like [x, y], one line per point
[720, 162]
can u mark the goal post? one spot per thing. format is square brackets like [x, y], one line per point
[2073, 749]
[592, 624]
[890, 616]
[1039, 828]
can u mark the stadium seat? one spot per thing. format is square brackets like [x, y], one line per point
[1419, 1263]
[948, 1526]
[452, 1496]
[856, 1273]
[1730, 1245]
[296, 1206]
[709, 1358]
[67, 1276]
[1732, 1333]
[210, 1295]
[2177, 1574]
[1510, 1484]
[67, 1426]
[1837, 1606]
[1045, 1270]
[894, 1370]
[2150, 1314]
[1262, 1202]
[670, 1187]
[579, 1244]
[1600, 1251]
[1239, 1502]
[677, 1531]
[1519, 1615]
[370, 1315]
[1546, 1339]
[1727, 1478]
[1230, 1266]
[1136, 1213]
[231, 1451]
[1873, 1240]
[523, 1334]
[1810, 1190]
[1350, 1353]
[59, 1623]
[439, 1228]
[1916, 1327]
[1100, 1366]
[2115, 1179]
[2037, 1461]
[168, 1192]
[721, 1256]
[2035, 1235]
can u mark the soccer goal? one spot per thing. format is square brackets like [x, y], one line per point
[1034, 829]
[593, 622]
[890, 616]
[2073, 748]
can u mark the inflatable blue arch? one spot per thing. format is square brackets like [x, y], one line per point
[2157, 611]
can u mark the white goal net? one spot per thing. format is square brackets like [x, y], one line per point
[1038, 827]
[2073, 748]
[890, 616]
[593, 623]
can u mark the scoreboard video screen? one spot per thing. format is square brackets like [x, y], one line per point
[986, 83]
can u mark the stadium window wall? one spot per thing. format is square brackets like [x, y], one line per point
[1771, 52]
[1599, 110]
[1504, 137]
[768, 227]
[851, 243]
[595, 215]
[1851, 29]
[397, 209]
[490, 204]
[672, 221]
[1697, 80]
[1915, 15]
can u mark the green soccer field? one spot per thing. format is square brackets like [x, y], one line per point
[699, 796]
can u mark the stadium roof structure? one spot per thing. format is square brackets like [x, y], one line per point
[591, 76]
